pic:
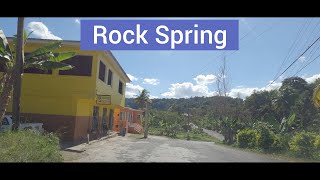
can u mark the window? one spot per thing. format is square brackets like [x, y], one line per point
[82, 66]
[110, 77]
[120, 87]
[121, 116]
[34, 70]
[28, 70]
[130, 117]
[102, 71]
[138, 117]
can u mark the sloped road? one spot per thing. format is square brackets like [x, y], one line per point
[162, 149]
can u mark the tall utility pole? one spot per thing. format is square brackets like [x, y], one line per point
[188, 128]
[146, 122]
[18, 69]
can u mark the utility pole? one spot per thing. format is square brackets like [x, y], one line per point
[188, 128]
[18, 69]
[146, 122]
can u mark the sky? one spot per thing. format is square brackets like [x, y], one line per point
[267, 47]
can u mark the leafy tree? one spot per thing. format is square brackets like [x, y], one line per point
[42, 58]
[260, 106]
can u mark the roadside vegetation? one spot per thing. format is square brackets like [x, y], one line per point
[28, 146]
[284, 121]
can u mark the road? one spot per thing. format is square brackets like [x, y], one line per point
[162, 149]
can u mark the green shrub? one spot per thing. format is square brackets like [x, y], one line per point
[317, 147]
[266, 139]
[279, 143]
[27, 146]
[197, 131]
[302, 144]
[247, 138]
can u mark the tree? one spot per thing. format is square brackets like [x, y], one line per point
[42, 58]
[295, 96]
[260, 106]
[143, 100]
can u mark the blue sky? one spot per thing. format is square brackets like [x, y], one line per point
[264, 45]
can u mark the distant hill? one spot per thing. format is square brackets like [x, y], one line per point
[181, 104]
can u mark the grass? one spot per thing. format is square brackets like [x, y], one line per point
[276, 155]
[27, 146]
[183, 135]
[197, 137]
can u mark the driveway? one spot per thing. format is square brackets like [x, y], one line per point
[162, 149]
[214, 134]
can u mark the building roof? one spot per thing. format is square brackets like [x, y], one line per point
[76, 43]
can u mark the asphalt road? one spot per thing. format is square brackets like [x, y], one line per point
[162, 149]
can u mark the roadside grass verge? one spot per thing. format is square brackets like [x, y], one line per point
[27, 146]
[276, 155]
[181, 135]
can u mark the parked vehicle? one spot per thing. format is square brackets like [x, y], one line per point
[7, 125]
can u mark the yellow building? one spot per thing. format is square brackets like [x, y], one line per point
[74, 102]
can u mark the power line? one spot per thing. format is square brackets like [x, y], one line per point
[295, 60]
[206, 66]
[312, 50]
[310, 56]
[294, 44]
[233, 52]
[307, 64]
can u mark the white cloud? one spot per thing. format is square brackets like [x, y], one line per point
[41, 31]
[241, 92]
[153, 97]
[187, 89]
[302, 59]
[77, 21]
[312, 78]
[204, 80]
[151, 81]
[133, 90]
[132, 78]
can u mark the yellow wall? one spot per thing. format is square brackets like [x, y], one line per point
[104, 89]
[60, 94]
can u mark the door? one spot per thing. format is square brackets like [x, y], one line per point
[111, 120]
[104, 121]
[130, 118]
[95, 119]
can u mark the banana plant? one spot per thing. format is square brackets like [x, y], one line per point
[43, 58]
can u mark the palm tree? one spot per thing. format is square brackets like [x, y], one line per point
[42, 58]
[143, 100]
